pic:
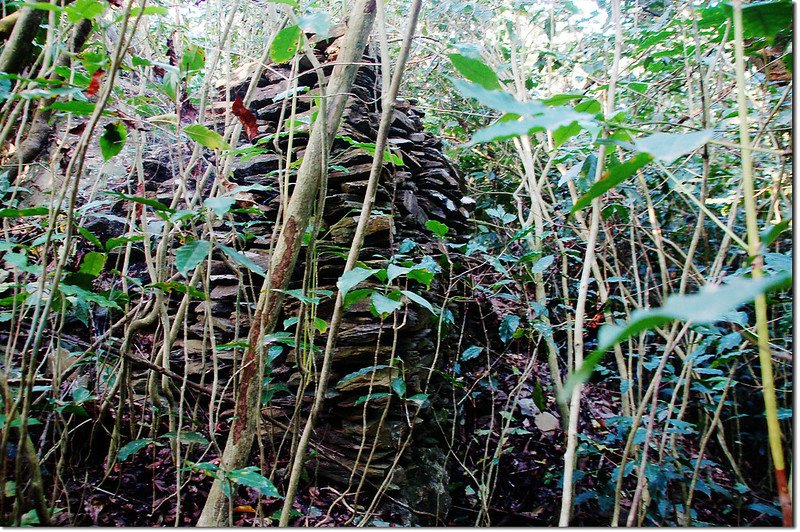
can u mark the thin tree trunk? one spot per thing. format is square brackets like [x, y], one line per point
[284, 257]
[17, 50]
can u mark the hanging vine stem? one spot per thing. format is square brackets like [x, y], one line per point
[583, 287]
[754, 251]
[387, 114]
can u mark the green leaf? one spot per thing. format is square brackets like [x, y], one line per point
[75, 107]
[92, 263]
[220, 205]
[351, 278]
[667, 147]
[475, 71]
[354, 296]
[771, 232]
[383, 305]
[419, 300]
[187, 436]
[317, 22]
[613, 177]
[149, 10]
[542, 264]
[393, 271]
[419, 398]
[437, 228]
[155, 204]
[113, 139]
[399, 386]
[188, 256]
[471, 352]
[364, 398]
[285, 44]
[711, 304]
[241, 260]
[88, 9]
[550, 119]
[21, 213]
[766, 19]
[360, 373]
[132, 448]
[497, 100]
[168, 287]
[508, 326]
[86, 296]
[45, 6]
[193, 59]
[206, 137]
[251, 478]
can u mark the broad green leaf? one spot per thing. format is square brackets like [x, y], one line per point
[667, 147]
[251, 478]
[132, 447]
[75, 107]
[384, 305]
[497, 100]
[709, 305]
[399, 386]
[548, 119]
[285, 44]
[419, 398]
[317, 23]
[542, 264]
[168, 287]
[508, 326]
[88, 9]
[45, 6]
[475, 71]
[93, 263]
[241, 260]
[188, 256]
[771, 232]
[437, 228]
[206, 137]
[149, 10]
[193, 59]
[155, 204]
[364, 398]
[613, 177]
[393, 271]
[471, 352]
[766, 19]
[360, 373]
[220, 205]
[187, 436]
[419, 300]
[113, 139]
[86, 296]
[351, 278]
[287, 2]
[354, 296]
[21, 213]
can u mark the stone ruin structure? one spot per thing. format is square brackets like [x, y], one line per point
[425, 187]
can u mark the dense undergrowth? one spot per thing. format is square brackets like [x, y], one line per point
[610, 334]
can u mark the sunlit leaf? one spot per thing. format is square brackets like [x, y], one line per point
[285, 44]
[113, 139]
[188, 256]
[242, 260]
[206, 137]
[613, 177]
[711, 304]
[351, 278]
[667, 147]
[475, 71]
[132, 447]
